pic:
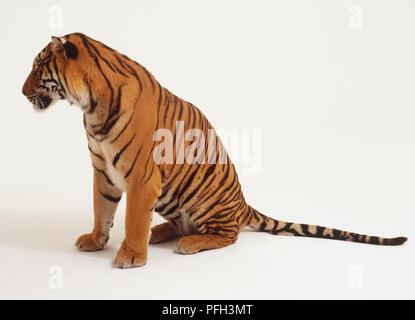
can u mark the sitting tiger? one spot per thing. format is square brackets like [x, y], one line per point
[124, 106]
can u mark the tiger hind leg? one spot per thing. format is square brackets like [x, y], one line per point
[163, 232]
[200, 242]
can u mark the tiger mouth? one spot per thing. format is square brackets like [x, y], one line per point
[40, 102]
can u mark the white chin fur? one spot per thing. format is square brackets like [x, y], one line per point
[39, 109]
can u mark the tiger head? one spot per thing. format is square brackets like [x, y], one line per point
[53, 69]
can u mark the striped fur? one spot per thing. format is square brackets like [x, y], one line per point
[124, 105]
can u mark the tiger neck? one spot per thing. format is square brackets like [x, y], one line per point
[101, 113]
[105, 104]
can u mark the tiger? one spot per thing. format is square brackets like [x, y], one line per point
[123, 107]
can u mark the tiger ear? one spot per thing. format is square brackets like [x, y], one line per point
[65, 48]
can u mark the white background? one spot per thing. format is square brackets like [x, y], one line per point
[336, 109]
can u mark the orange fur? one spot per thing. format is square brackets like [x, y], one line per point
[124, 106]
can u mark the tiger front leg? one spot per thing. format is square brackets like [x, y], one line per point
[106, 198]
[140, 205]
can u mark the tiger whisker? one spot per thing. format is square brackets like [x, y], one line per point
[29, 96]
[40, 101]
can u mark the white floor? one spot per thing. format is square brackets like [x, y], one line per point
[38, 260]
[329, 83]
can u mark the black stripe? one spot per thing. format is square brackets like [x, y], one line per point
[105, 60]
[355, 237]
[274, 229]
[171, 210]
[160, 95]
[113, 116]
[117, 156]
[92, 102]
[104, 174]
[132, 166]
[167, 104]
[129, 69]
[320, 232]
[220, 200]
[221, 184]
[149, 77]
[336, 234]
[95, 58]
[188, 183]
[197, 188]
[58, 82]
[175, 99]
[181, 110]
[95, 154]
[305, 230]
[125, 127]
[119, 71]
[174, 222]
[287, 228]
[374, 240]
[263, 226]
[154, 142]
[151, 173]
[255, 215]
[110, 198]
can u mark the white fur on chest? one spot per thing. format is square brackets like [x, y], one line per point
[116, 177]
[185, 223]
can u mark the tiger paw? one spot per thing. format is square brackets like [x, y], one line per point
[126, 259]
[86, 242]
[162, 232]
[188, 245]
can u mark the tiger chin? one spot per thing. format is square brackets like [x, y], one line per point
[123, 107]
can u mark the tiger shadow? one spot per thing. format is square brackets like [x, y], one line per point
[58, 233]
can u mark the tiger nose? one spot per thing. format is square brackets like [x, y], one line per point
[27, 84]
[24, 89]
